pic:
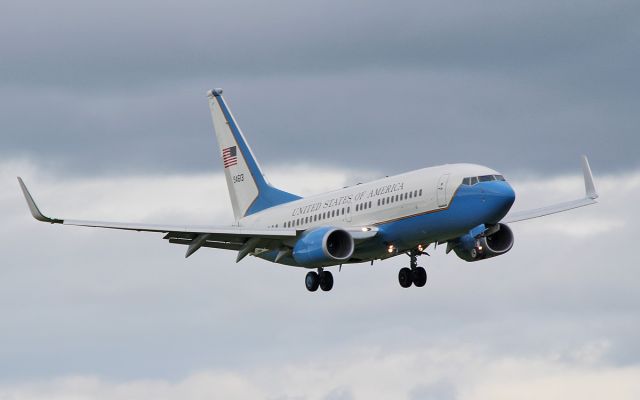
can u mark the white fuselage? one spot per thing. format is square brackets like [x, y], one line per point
[372, 203]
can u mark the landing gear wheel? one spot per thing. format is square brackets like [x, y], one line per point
[326, 281]
[419, 276]
[312, 281]
[473, 253]
[405, 277]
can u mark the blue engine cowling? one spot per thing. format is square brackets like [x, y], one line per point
[323, 246]
[495, 241]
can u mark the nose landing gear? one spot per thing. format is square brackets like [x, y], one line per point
[415, 275]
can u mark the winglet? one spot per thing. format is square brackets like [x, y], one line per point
[35, 211]
[589, 186]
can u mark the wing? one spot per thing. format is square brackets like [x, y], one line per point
[238, 238]
[590, 198]
[242, 239]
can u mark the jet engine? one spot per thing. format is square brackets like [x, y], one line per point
[323, 246]
[494, 241]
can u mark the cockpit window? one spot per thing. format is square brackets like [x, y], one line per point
[472, 180]
[486, 178]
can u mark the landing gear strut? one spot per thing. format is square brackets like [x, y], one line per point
[322, 279]
[415, 275]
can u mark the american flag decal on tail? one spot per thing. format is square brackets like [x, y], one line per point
[229, 156]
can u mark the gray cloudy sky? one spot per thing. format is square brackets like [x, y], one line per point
[119, 86]
[104, 114]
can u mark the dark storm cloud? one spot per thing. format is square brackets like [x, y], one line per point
[80, 43]
[119, 86]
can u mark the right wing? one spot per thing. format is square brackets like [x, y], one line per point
[590, 198]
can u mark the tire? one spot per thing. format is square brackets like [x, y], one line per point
[419, 276]
[312, 281]
[404, 277]
[326, 281]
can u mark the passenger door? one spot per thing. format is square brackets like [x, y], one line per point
[441, 191]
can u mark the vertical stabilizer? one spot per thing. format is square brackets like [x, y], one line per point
[249, 190]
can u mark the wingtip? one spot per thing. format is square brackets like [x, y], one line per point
[33, 208]
[589, 185]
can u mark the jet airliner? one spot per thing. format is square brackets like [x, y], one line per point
[463, 206]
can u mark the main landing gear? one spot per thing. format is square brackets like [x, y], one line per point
[322, 279]
[414, 275]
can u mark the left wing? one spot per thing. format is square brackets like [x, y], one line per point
[242, 239]
[238, 238]
[590, 198]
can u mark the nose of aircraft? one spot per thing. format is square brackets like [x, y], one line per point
[499, 197]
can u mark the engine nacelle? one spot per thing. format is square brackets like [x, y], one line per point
[323, 246]
[496, 243]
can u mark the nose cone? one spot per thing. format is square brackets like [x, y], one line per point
[499, 197]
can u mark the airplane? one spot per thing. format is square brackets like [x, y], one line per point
[465, 206]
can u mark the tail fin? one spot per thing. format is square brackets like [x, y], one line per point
[249, 190]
